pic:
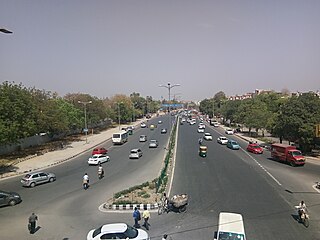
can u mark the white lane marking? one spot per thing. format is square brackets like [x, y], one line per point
[262, 167]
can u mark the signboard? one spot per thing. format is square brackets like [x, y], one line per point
[85, 130]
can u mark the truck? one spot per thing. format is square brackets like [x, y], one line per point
[288, 154]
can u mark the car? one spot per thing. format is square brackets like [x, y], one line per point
[222, 140]
[201, 125]
[163, 130]
[143, 125]
[142, 138]
[229, 131]
[98, 159]
[233, 145]
[153, 144]
[230, 226]
[200, 130]
[255, 148]
[99, 150]
[192, 122]
[9, 198]
[117, 231]
[33, 179]
[159, 122]
[207, 136]
[135, 153]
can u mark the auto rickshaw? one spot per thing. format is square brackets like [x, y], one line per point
[203, 151]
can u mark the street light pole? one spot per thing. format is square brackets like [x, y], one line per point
[169, 86]
[119, 120]
[85, 118]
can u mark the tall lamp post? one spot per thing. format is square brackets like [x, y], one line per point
[119, 116]
[85, 118]
[169, 86]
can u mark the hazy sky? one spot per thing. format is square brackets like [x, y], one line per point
[107, 47]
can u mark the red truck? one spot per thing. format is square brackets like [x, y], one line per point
[288, 154]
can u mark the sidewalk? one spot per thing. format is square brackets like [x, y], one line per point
[70, 151]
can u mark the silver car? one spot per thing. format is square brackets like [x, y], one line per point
[33, 179]
[153, 144]
[135, 153]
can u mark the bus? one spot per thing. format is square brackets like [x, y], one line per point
[120, 138]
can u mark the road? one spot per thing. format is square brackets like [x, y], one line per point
[65, 210]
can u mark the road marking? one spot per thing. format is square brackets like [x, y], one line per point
[262, 167]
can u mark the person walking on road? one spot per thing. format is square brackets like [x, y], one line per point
[146, 217]
[136, 217]
[32, 223]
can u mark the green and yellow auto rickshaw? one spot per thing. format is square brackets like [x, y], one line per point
[203, 151]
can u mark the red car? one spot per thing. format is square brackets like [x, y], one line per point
[99, 150]
[254, 148]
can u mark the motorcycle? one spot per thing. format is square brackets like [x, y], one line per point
[85, 184]
[100, 174]
[303, 216]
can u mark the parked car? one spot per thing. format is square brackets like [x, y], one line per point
[153, 144]
[9, 198]
[233, 145]
[143, 125]
[117, 231]
[200, 130]
[163, 130]
[207, 136]
[33, 179]
[98, 159]
[222, 140]
[254, 148]
[142, 138]
[135, 153]
[99, 150]
[229, 131]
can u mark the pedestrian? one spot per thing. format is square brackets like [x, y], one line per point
[136, 217]
[32, 223]
[146, 217]
[165, 237]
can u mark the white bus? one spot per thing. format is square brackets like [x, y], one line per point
[120, 138]
[230, 227]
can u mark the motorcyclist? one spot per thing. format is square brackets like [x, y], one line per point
[200, 141]
[100, 171]
[85, 181]
[302, 209]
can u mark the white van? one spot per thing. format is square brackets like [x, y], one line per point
[230, 227]
[120, 138]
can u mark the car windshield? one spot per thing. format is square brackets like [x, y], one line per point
[96, 232]
[131, 232]
[296, 153]
[153, 141]
[234, 143]
[116, 135]
[230, 236]
[255, 146]
[208, 134]
[133, 151]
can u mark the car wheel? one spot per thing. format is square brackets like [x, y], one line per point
[51, 179]
[12, 202]
[33, 184]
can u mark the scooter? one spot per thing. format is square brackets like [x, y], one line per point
[85, 185]
[101, 174]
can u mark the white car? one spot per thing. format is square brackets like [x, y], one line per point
[222, 140]
[200, 130]
[153, 144]
[229, 131]
[192, 122]
[201, 125]
[135, 153]
[159, 122]
[143, 125]
[142, 138]
[207, 136]
[117, 231]
[96, 159]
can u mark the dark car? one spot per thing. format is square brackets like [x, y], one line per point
[255, 148]
[163, 130]
[99, 150]
[9, 198]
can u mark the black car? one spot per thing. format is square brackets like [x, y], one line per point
[9, 198]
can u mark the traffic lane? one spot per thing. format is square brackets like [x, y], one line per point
[223, 182]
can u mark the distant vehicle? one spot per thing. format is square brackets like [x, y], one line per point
[159, 122]
[99, 150]
[192, 122]
[222, 140]
[201, 125]
[120, 137]
[33, 179]
[233, 145]
[288, 154]
[143, 125]
[98, 159]
[254, 148]
[163, 130]
[9, 198]
[135, 153]
[229, 131]
[142, 138]
[230, 227]
[117, 231]
[200, 130]
[214, 123]
[153, 144]
[207, 136]
[152, 126]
